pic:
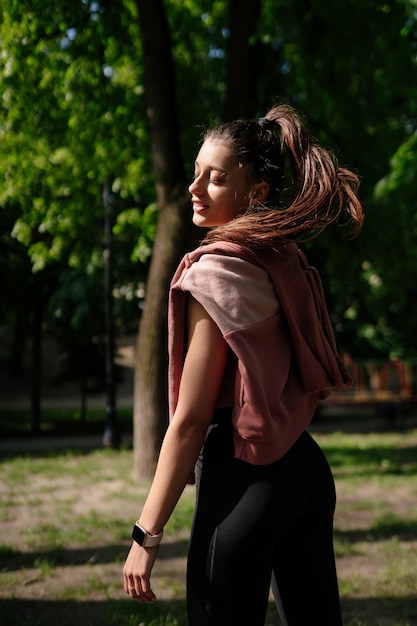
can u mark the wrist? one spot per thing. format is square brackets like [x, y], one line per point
[144, 538]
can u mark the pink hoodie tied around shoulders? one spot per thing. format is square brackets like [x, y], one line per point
[269, 306]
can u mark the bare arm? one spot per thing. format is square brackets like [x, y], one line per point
[200, 384]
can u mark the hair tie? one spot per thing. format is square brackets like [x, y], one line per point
[266, 123]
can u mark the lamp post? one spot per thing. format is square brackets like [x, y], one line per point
[111, 437]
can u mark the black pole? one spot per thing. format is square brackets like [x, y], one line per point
[111, 437]
[36, 356]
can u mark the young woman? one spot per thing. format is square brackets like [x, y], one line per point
[251, 354]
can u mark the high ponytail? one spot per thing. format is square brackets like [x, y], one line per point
[308, 188]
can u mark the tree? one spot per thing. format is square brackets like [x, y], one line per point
[74, 114]
[150, 379]
[68, 80]
[347, 66]
[390, 303]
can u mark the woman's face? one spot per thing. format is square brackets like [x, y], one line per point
[220, 189]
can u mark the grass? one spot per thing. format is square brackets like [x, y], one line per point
[376, 525]
[65, 520]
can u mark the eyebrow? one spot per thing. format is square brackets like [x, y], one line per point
[213, 167]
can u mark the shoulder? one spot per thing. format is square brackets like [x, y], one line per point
[221, 267]
[234, 291]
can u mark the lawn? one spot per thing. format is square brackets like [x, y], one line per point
[66, 516]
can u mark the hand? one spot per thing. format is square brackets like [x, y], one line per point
[137, 573]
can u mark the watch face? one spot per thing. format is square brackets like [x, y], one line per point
[138, 534]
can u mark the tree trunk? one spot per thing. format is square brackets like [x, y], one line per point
[242, 59]
[151, 414]
[150, 401]
[174, 225]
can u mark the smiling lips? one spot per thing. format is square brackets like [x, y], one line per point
[199, 206]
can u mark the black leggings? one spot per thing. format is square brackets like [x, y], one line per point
[257, 523]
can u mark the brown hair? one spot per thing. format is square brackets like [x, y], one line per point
[320, 189]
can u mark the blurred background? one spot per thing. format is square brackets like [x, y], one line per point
[102, 108]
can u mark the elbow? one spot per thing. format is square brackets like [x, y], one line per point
[190, 425]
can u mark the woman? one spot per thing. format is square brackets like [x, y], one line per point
[251, 354]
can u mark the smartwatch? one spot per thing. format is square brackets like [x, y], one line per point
[144, 539]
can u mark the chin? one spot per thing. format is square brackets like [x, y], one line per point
[200, 221]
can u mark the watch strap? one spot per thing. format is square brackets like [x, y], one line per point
[145, 539]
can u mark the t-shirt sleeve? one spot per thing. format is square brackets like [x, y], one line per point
[234, 292]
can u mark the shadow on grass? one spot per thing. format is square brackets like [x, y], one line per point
[383, 529]
[18, 612]
[383, 611]
[13, 560]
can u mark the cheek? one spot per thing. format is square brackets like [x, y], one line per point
[241, 201]
[229, 203]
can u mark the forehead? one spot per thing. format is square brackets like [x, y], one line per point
[216, 155]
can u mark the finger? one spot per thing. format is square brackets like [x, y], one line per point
[137, 591]
[129, 585]
[128, 582]
[145, 593]
[140, 597]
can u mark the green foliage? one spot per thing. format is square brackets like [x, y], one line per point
[347, 65]
[68, 126]
[389, 267]
[74, 115]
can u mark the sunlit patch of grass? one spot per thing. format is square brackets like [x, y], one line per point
[372, 505]
[34, 502]
[371, 453]
[96, 526]
[7, 504]
[53, 465]
[176, 589]
[16, 469]
[401, 574]
[352, 585]
[344, 547]
[95, 583]
[9, 582]
[46, 536]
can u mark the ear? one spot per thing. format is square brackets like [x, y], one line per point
[259, 192]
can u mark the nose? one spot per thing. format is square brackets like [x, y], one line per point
[196, 187]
